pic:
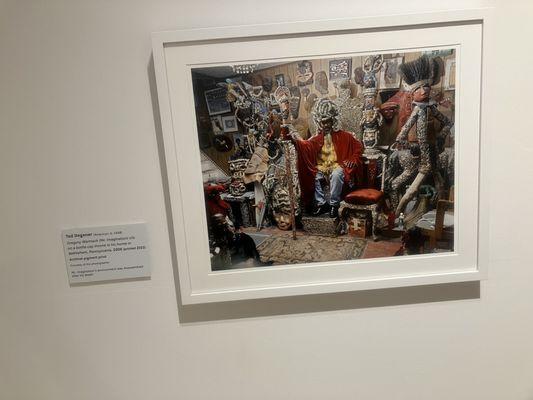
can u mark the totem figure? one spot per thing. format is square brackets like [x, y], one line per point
[276, 187]
[371, 119]
[237, 168]
[420, 75]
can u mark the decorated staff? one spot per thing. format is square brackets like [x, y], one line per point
[283, 96]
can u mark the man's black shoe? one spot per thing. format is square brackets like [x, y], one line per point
[324, 208]
[334, 212]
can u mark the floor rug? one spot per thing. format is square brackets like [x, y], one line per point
[282, 249]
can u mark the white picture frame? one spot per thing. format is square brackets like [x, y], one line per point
[229, 123]
[175, 53]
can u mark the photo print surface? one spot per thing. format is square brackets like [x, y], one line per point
[328, 159]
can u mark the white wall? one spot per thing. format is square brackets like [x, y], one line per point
[78, 146]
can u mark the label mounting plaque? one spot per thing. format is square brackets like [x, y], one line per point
[106, 253]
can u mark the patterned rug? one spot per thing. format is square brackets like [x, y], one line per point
[282, 249]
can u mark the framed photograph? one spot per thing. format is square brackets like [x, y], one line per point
[449, 77]
[238, 140]
[389, 74]
[289, 221]
[230, 123]
[217, 125]
[438, 53]
[216, 101]
[340, 68]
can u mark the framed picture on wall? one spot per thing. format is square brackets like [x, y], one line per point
[216, 101]
[292, 220]
[449, 80]
[389, 74]
[217, 125]
[340, 68]
[230, 123]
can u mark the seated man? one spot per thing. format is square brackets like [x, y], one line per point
[332, 154]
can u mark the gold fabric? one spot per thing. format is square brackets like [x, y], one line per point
[327, 159]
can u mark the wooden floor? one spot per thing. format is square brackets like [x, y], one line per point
[385, 247]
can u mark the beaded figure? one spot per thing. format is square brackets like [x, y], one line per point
[420, 75]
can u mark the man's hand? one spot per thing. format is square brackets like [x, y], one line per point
[286, 132]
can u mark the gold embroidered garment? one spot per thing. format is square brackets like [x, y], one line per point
[327, 159]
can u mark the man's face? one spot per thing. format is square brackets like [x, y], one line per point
[388, 113]
[326, 125]
[421, 94]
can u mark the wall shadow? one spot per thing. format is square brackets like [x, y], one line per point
[328, 302]
[232, 310]
[164, 174]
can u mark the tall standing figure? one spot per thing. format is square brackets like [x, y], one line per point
[420, 75]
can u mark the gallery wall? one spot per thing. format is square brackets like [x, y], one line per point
[80, 145]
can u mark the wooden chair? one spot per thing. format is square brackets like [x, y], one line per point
[437, 224]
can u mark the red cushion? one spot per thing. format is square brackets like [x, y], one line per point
[364, 196]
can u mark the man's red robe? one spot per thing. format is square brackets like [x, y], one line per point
[347, 148]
